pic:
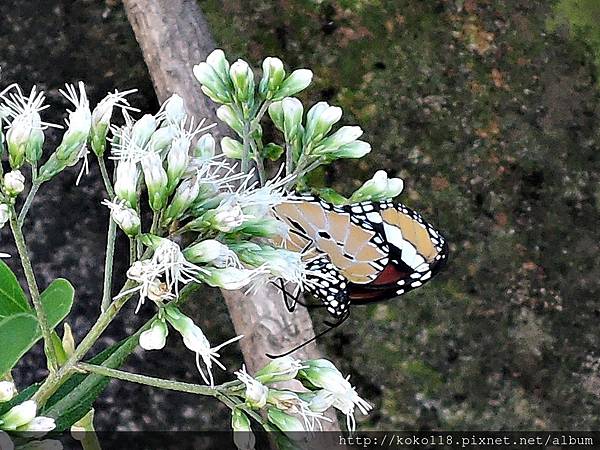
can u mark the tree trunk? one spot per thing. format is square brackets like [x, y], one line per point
[174, 36]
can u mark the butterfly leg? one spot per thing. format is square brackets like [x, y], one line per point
[292, 300]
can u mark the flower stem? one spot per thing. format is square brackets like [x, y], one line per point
[108, 264]
[246, 151]
[52, 361]
[25, 209]
[132, 251]
[106, 178]
[54, 381]
[149, 381]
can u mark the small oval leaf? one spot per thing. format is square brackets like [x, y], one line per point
[12, 297]
[17, 334]
[57, 301]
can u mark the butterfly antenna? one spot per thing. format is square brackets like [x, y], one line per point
[304, 344]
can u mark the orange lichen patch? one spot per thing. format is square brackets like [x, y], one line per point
[439, 183]
[479, 40]
[491, 129]
[501, 219]
[498, 79]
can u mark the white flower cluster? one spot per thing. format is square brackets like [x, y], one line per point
[294, 411]
[21, 419]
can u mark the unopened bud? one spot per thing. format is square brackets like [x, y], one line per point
[126, 180]
[143, 129]
[177, 161]
[4, 214]
[243, 437]
[127, 218]
[296, 82]
[320, 119]
[273, 76]
[175, 109]
[156, 180]
[184, 196]
[292, 117]
[14, 183]
[212, 84]
[378, 188]
[7, 391]
[19, 415]
[243, 80]
[155, 337]
[227, 114]
[205, 147]
[231, 148]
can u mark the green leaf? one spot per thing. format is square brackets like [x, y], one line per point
[75, 398]
[57, 301]
[23, 332]
[17, 334]
[12, 297]
[22, 396]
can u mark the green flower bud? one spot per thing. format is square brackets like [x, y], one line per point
[177, 161]
[143, 129]
[231, 148]
[184, 196]
[126, 180]
[68, 341]
[101, 117]
[162, 138]
[356, 149]
[174, 108]
[296, 82]
[33, 151]
[19, 415]
[156, 180]
[207, 251]
[279, 369]
[319, 121]
[285, 422]
[7, 391]
[212, 84]
[18, 137]
[276, 114]
[219, 63]
[227, 114]
[378, 188]
[243, 437]
[13, 183]
[155, 337]
[292, 117]
[4, 214]
[263, 227]
[343, 136]
[37, 427]
[273, 76]
[127, 218]
[205, 147]
[230, 278]
[243, 81]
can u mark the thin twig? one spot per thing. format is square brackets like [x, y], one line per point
[108, 264]
[25, 209]
[34, 291]
[106, 178]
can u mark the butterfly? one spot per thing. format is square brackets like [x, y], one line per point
[362, 253]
